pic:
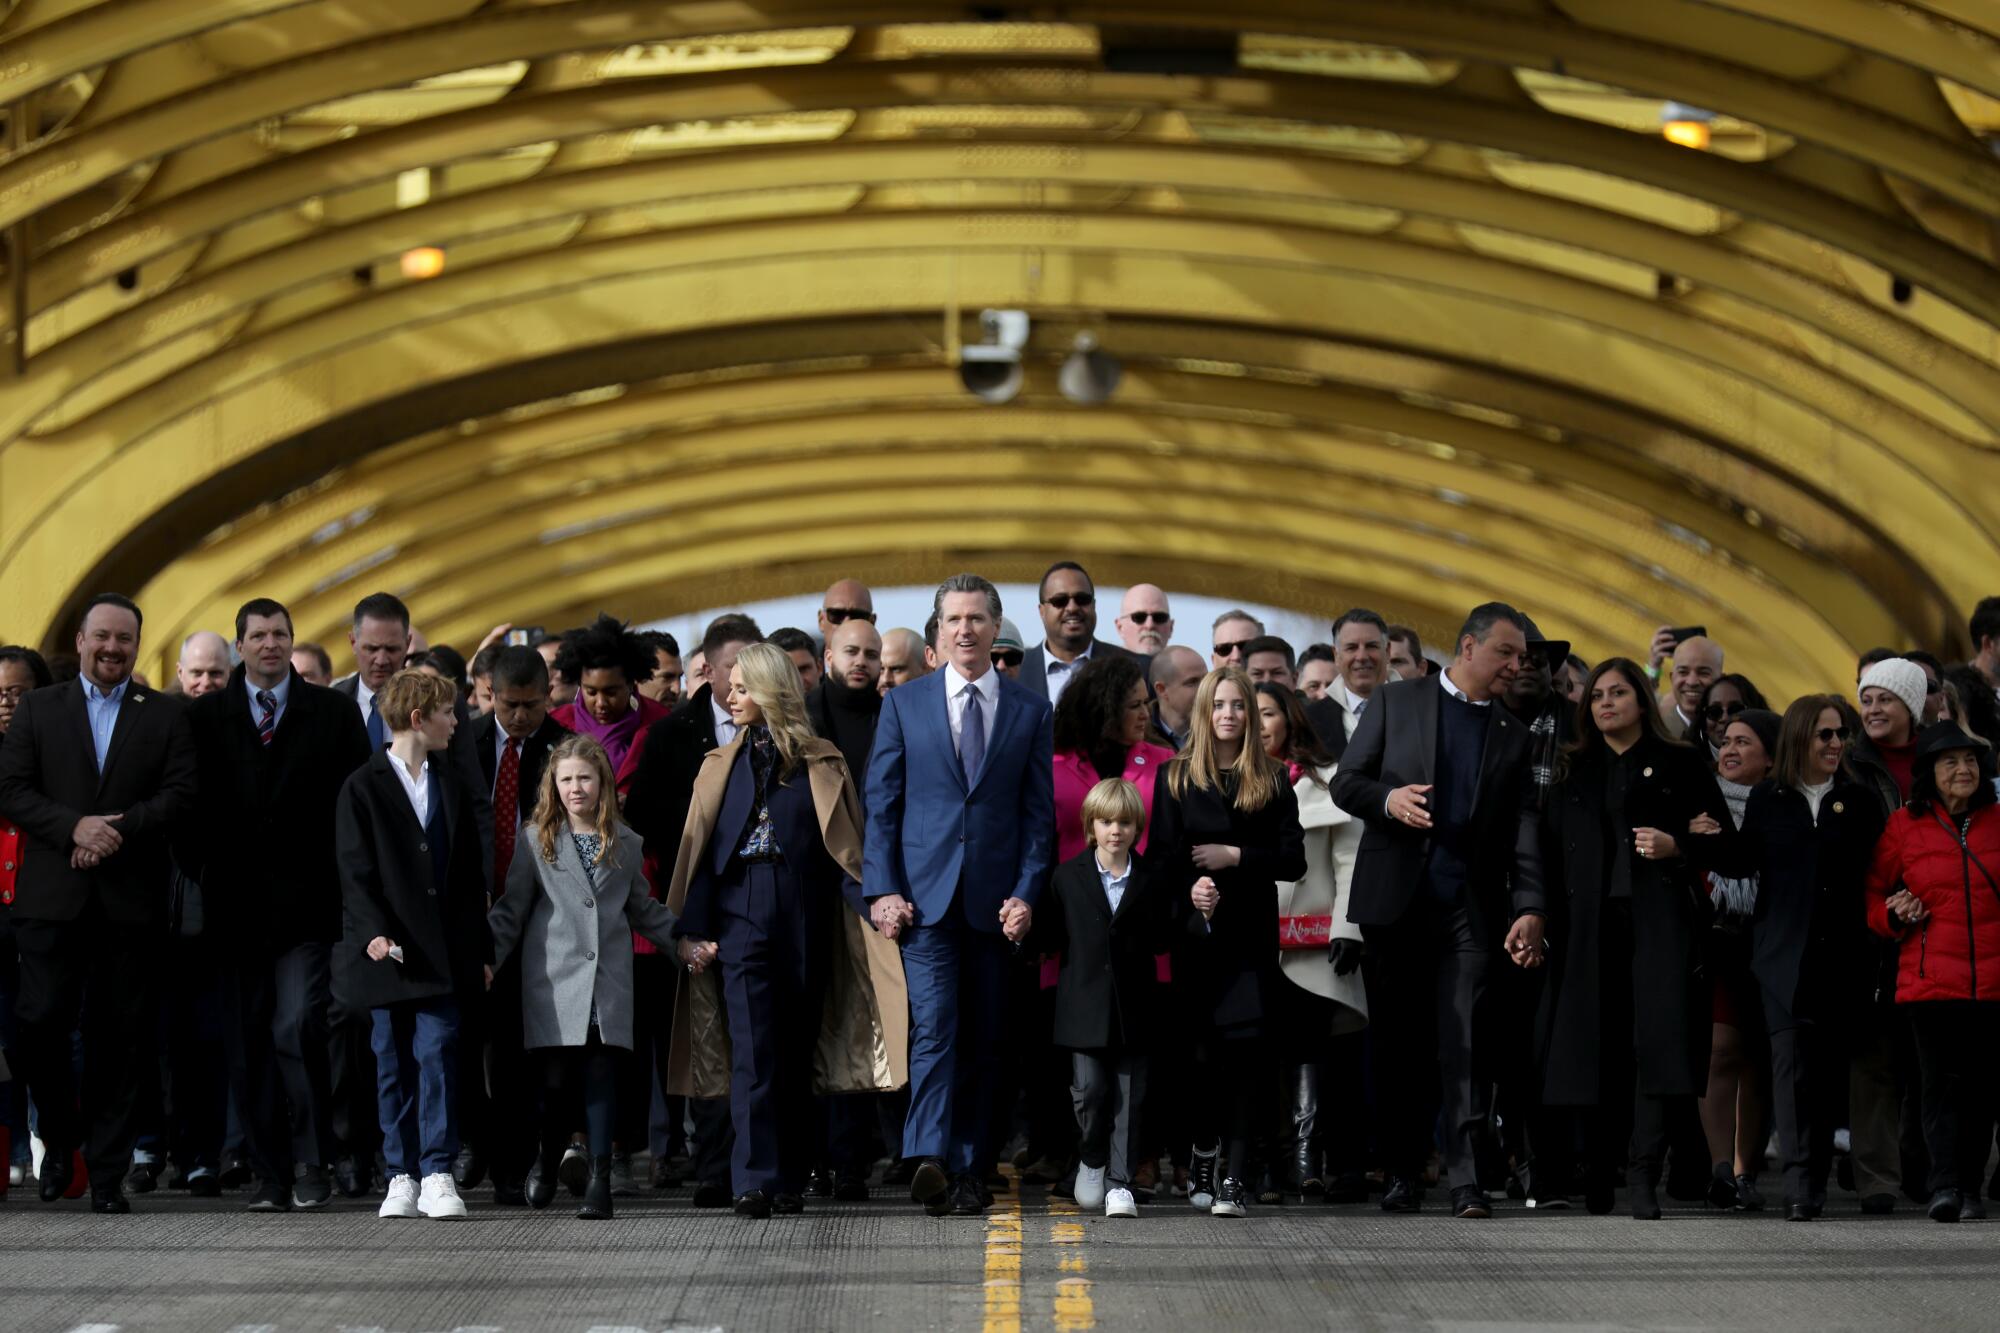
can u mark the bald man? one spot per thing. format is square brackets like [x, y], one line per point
[204, 664]
[1145, 626]
[903, 659]
[849, 599]
[1697, 662]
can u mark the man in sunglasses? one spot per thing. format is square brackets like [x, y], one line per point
[1008, 654]
[1145, 626]
[1234, 632]
[849, 599]
[1069, 631]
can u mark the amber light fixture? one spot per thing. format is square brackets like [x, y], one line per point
[425, 261]
[1685, 125]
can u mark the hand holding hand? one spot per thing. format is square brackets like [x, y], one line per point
[1654, 845]
[890, 913]
[1411, 805]
[1015, 919]
[1703, 825]
[97, 834]
[1205, 897]
[1524, 942]
[1345, 955]
[696, 955]
[1216, 856]
[1909, 908]
[378, 948]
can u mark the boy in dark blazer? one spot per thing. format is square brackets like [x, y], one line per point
[1108, 918]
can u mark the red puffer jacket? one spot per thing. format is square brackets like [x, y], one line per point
[1955, 953]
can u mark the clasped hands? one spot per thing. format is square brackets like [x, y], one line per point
[95, 837]
[892, 914]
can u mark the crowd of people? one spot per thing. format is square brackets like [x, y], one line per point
[836, 910]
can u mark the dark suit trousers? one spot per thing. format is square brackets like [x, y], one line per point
[189, 1104]
[764, 930]
[1956, 1040]
[100, 974]
[958, 988]
[279, 1057]
[1427, 1007]
[351, 1054]
[512, 1127]
[1808, 1075]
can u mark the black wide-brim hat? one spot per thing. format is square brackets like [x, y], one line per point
[1944, 737]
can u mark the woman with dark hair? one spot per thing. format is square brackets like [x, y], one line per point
[1808, 833]
[21, 670]
[1320, 1002]
[609, 663]
[1100, 732]
[1628, 1002]
[1936, 876]
[1725, 698]
[1734, 1109]
[444, 661]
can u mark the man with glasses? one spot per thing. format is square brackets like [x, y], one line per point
[1069, 629]
[1145, 625]
[1234, 631]
[1008, 654]
[849, 599]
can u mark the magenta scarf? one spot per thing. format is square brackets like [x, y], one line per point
[615, 737]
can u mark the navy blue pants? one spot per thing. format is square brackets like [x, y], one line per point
[765, 934]
[416, 1084]
[958, 993]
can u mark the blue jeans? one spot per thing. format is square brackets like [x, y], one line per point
[416, 1084]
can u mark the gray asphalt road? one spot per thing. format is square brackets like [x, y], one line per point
[1032, 1263]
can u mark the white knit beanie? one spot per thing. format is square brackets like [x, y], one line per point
[1902, 678]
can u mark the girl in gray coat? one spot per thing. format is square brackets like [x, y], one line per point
[575, 893]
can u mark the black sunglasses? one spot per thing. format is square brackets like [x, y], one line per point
[1008, 657]
[836, 614]
[1149, 617]
[1716, 712]
[1933, 687]
[1826, 734]
[1231, 649]
[1060, 601]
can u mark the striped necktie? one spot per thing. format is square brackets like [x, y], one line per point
[267, 725]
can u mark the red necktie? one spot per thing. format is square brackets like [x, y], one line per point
[506, 813]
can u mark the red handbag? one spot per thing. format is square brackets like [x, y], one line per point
[1304, 932]
[10, 861]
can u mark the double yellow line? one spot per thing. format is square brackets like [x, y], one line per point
[1073, 1310]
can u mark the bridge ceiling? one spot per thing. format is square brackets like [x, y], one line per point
[1416, 304]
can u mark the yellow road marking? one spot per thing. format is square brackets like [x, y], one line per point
[1003, 1263]
[1074, 1308]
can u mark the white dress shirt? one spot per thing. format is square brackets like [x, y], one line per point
[1061, 673]
[417, 788]
[1350, 702]
[1451, 688]
[988, 686]
[1114, 885]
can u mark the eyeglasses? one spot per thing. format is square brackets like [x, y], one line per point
[1826, 734]
[836, 614]
[1060, 601]
[1933, 686]
[1008, 657]
[1149, 617]
[1716, 712]
[1232, 649]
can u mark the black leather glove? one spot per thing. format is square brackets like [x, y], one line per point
[1345, 955]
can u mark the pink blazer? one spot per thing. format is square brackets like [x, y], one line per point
[1074, 779]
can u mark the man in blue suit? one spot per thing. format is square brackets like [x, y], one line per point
[961, 824]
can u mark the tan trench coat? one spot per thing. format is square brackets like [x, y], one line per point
[864, 1032]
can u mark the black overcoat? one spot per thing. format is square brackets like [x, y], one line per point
[1108, 989]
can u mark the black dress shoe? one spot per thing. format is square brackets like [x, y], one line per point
[850, 1187]
[540, 1186]
[899, 1172]
[1470, 1201]
[1946, 1206]
[709, 1194]
[968, 1196]
[143, 1178]
[108, 1199]
[348, 1177]
[235, 1171]
[509, 1196]
[207, 1185]
[753, 1204]
[1972, 1210]
[597, 1206]
[820, 1184]
[929, 1183]
[1645, 1201]
[468, 1169]
[787, 1205]
[58, 1170]
[270, 1197]
[1403, 1196]
[1798, 1212]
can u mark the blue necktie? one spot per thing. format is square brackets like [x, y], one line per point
[971, 736]
[378, 734]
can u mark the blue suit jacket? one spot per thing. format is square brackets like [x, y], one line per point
[795, 825]
[929, 835]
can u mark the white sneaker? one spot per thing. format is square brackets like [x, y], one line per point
[17, 1175]
[1120, 1203]
[1089, 1186]
[441, 1197]
[402, 1200]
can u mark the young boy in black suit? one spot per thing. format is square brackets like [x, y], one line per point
[1108, 918]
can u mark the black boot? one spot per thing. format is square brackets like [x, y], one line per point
[1302, 1171]
[1645, 1196]
[542, 1182]
[597, 1195]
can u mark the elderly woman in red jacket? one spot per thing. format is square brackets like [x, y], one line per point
[1935, 887]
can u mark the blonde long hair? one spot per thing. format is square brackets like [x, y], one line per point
[551, 819]
[771, 679]
[1257, 774]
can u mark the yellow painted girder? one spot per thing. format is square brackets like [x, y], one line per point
[1900, 31]
[1930, 367]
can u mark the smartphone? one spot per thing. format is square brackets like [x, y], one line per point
[1687, 632]
[526, 638]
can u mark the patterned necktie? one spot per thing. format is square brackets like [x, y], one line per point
[267, 725]
[506, 812]
[378, 733]
[971, 735]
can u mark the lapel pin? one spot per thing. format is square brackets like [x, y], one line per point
[1645, 772]
[1840, 807]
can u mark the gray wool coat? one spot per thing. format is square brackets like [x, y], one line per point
[576, 938]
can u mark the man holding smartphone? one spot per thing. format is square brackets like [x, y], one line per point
[1697, 663]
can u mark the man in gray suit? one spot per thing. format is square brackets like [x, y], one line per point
[1069, 632]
